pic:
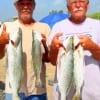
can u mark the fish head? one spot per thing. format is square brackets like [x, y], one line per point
[36, 35]
[68, 43]
[76, 42]
[15, 37]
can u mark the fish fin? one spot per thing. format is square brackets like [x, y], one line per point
[15, 97]
[39, 84]
[10, 85]
[76, 97]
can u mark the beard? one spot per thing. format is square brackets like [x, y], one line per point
[25, 16]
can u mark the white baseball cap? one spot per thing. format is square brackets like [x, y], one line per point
[20, 0]
[17, 0]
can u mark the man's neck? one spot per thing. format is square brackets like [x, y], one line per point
[27, 23]
[77, 20]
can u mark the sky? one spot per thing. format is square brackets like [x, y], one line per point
[43, 7]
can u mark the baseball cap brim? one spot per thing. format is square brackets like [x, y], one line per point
[20, 0]
[17, 0]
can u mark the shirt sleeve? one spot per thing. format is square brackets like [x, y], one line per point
[98, 37]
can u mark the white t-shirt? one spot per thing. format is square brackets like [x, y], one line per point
[28, 82]
[90, 27]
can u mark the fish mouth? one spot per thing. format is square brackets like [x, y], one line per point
[12, 42]
[76, 46]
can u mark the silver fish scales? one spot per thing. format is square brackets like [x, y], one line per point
[78, 68]
[37, 53]
[71, 64]
[15, 62]
[66, 66]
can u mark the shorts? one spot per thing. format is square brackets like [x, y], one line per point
[37, 97]
[8, 96]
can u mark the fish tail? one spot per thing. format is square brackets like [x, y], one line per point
[39, 84]
[76, 96]
[15, 97]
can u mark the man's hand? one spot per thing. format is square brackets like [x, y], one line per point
[86, 42]
[56, 43]
[54, 48]
[4, 38]
[90, 45]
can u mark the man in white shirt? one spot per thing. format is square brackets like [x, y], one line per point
[88, 31]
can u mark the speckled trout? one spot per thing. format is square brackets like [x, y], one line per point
[37, 53]
[78, 68]
[70, 64]
[15, 63]
[65, 61]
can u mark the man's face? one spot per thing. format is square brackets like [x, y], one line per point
[77, 8]
[25, 9]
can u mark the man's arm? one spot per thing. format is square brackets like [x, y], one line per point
[45, 55]
[2, 51]
[53, 54]
[54, 48]
[95, 50]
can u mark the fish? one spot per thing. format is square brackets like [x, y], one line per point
[70, 68]
[15, 62]
[65, 62]
[37, 53]
[79, 64]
